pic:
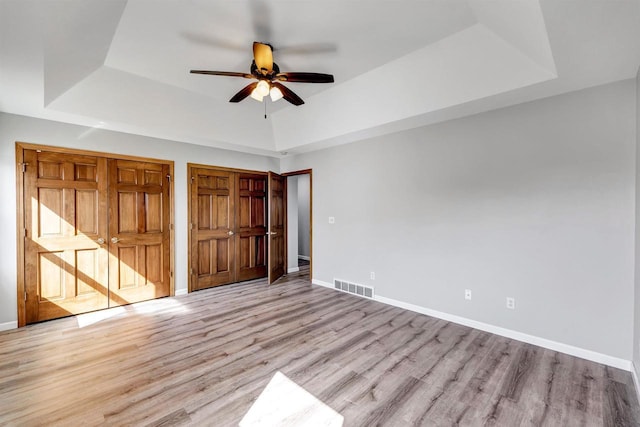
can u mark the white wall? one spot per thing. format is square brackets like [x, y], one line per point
[304, 188]
[534, 202]
[292, 223]
[19, 128]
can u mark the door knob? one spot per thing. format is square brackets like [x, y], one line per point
[100, 241]
[114, 240]
[230, 233]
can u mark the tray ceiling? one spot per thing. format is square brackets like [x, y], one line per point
[124, 65]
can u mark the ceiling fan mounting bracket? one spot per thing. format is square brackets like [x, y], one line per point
[263, 72]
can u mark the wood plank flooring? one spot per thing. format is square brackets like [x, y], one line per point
[204, 358]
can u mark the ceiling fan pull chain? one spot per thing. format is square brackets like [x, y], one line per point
[265, 111]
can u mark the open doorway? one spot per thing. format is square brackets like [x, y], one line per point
[299, 221]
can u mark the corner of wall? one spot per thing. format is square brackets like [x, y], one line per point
[636, 379]
[635, 364]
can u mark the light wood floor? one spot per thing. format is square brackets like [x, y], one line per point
[203, 359]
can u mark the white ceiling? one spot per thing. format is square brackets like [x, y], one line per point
[398, 64]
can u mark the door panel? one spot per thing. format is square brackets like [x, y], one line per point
[277, 228]
[252, 226]
[212, 228]
[138, 231]
[65, 216]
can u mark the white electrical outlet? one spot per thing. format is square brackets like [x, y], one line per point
[332, 220]
[511, 303]
[373, 275]
[467, 294]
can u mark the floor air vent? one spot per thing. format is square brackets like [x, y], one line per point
[353, 288]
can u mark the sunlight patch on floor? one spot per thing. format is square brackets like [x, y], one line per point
[285, 403]
[87, 319]
[159, 306]
[165, 305]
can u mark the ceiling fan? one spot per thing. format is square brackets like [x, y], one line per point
[268, 76]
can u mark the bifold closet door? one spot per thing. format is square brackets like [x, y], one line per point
[228, 226]
[96, 233]
[212, 228]
[139, 235]
[65, 250]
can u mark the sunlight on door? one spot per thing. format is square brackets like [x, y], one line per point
[285, 403]
[71, 264]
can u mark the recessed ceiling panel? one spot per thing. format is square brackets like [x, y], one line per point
[115, 96]
[77, 37]
[471, 64]
[163, 40]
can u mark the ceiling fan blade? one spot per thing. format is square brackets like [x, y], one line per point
[263, 56]
[306, 49]
[213, 42]
[305, 77]
[246, 91]
[288, 94]
[223, 73]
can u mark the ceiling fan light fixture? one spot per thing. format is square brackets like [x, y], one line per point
[275, 94]
[263, 87]
[255, 94]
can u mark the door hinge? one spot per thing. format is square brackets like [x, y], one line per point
[190, 226]
[25, 295]
[192, 179]
[170, 226]
[169, 177]
[171, 274]
[24, 166]
[191, 271]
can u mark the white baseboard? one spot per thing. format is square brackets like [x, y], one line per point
[293, 270]
[8, 325]
[321, 283]
[304, 257]
[179, 292]
[615, 362]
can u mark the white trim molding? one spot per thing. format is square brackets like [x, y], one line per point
[8, 325]
[179, 292]
[594, 356]
[293, 270]
[321, 283]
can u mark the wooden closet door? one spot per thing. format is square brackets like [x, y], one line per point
[66, 260]
[212, 228]
[251, 215]
[139, 235]
[277, 226]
